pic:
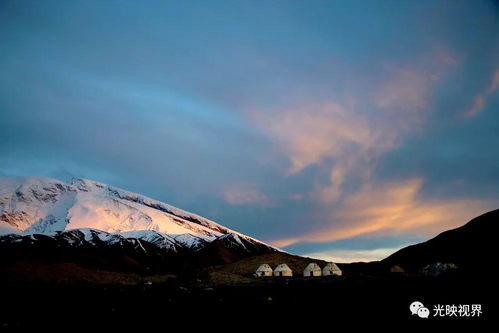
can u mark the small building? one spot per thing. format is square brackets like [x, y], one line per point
[312, 269]
[264, 270]
[438, 268]
[331, 269]
[396, 269]
[283, 270]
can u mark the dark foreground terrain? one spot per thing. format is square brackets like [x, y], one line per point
[173, 301]
[40, 292]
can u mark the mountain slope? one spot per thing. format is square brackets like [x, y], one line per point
[91, 248]
[43, 205]
[55, 220]
[470, 247]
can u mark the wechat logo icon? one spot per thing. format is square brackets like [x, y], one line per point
[417, 308]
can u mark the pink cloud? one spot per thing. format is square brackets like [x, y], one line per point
[392, 208]
[494, 85]
[309, 134]
[347, 141]
[407, 90]
[476, 107]
[481, 99]
[354, 255]
[341, 139]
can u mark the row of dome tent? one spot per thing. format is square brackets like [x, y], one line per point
[312, 269]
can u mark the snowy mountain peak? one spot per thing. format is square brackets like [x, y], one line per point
[86, 184]
[43, 205]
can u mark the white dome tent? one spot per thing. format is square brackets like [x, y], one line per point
[283, 270]
[264, 270]
[396, 269]
[312, 269]
[331, 269]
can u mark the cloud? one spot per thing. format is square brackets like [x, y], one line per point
[405, 96]
[392, 208]
[476, 107]
[327, 134]
[494, 85]
[346, 256]
[349, 140]
[346, 143]
[480, 100]
[311, 133]
[244, 194]
[408, 90]
[402, 100]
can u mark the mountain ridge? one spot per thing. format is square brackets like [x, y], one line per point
[467, 246]
[34, 206]
[73, 201]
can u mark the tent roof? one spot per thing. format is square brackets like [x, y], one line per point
[397, 269]
[332, 266]
[282, 267]
[264, 268]
[313, 267]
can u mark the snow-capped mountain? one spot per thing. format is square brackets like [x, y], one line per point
[89, 213]
[41, 205]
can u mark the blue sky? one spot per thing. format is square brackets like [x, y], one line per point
[341, 129]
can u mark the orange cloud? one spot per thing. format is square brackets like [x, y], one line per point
[349, 140]
[343, 140]
[354, 255]
[392, 209]
[311, 133]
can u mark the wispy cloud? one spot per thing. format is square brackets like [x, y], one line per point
[407, 91]
[244, 194]
[323, 133]
[349, 140]
[347, 143]
[309, 134]
[354, 255]
[391, 208]
[480, 100]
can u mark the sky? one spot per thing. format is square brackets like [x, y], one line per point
[342, 130]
